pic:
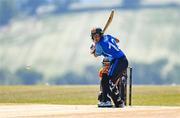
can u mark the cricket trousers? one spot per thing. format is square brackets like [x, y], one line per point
[116, 70]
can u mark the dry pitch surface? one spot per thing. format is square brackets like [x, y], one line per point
[86, 111]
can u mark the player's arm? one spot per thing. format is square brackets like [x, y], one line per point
[94, 53]
[96, 50]
[93, 50]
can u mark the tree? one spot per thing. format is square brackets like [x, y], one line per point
[29, 77]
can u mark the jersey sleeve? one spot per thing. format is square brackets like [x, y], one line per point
[99, 50]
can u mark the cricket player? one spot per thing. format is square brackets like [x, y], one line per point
[106, 46]
[104, 97]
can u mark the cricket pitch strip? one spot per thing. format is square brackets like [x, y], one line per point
[86, 111]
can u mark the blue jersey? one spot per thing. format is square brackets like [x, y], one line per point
[108, 48]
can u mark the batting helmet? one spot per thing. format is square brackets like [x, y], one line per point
[96, 31]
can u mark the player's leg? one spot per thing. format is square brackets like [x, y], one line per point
[105, 99]
[115, 73]
[100, 94]
[115, 95]
[122, 86]
[105, 87]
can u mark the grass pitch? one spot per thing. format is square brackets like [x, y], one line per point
[142, 95]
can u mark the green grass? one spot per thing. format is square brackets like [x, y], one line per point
[156, 95]
[142, 95]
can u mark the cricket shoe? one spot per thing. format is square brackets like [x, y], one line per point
[105, 104]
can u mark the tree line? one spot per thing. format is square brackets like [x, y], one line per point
[142, 74]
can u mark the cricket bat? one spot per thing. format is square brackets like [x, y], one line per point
[109, 21]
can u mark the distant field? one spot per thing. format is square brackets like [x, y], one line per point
[142, 95]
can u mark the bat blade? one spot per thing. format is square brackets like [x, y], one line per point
[109, 21]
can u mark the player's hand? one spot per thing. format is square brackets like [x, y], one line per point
[92, 49]
[117, 40]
